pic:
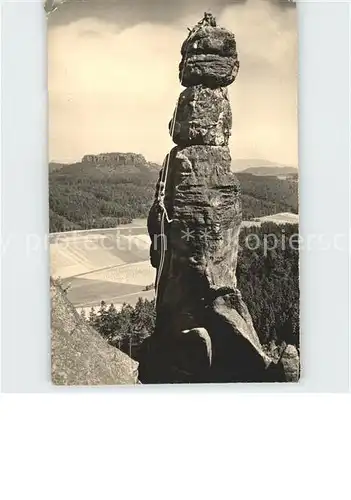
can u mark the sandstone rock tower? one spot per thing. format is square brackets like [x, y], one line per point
[204, 332]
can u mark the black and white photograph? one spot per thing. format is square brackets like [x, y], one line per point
[173, 192]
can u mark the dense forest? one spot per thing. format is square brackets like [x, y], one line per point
[268, 277]
[87, 195]
[267, 193]
[119, 188]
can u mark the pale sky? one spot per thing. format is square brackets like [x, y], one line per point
[113, 76]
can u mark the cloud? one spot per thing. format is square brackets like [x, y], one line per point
[131, 12]
[113, 87]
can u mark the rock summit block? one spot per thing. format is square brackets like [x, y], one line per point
[209, 57]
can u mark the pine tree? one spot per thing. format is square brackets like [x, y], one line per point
[92, 317]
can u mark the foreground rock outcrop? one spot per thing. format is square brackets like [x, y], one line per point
[204, 331]
[79, 355]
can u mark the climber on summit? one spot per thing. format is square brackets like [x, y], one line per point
[208, 20]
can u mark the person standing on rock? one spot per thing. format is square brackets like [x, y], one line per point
[207, 20]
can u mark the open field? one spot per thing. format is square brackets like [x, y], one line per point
[107, 264]
[283, 218]
[112, 264]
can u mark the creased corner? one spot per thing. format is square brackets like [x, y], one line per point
[51, 5]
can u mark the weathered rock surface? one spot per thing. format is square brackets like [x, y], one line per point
[202, 198]
[209, 57]
[210, 40]
[203, 117]
[210, 70]
[290, 361]
[206, 212]
[79, 355]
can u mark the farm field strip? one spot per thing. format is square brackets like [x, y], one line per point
[102, 264]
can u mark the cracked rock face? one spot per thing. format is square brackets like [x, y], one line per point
[210, 40]
[210, 70]
[202, 198]
[207, 213]
[203, 117]
[209, 57]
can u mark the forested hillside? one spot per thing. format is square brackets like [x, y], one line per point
[268, 277]
[266, 195]
[101, 193]
[110, 189]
